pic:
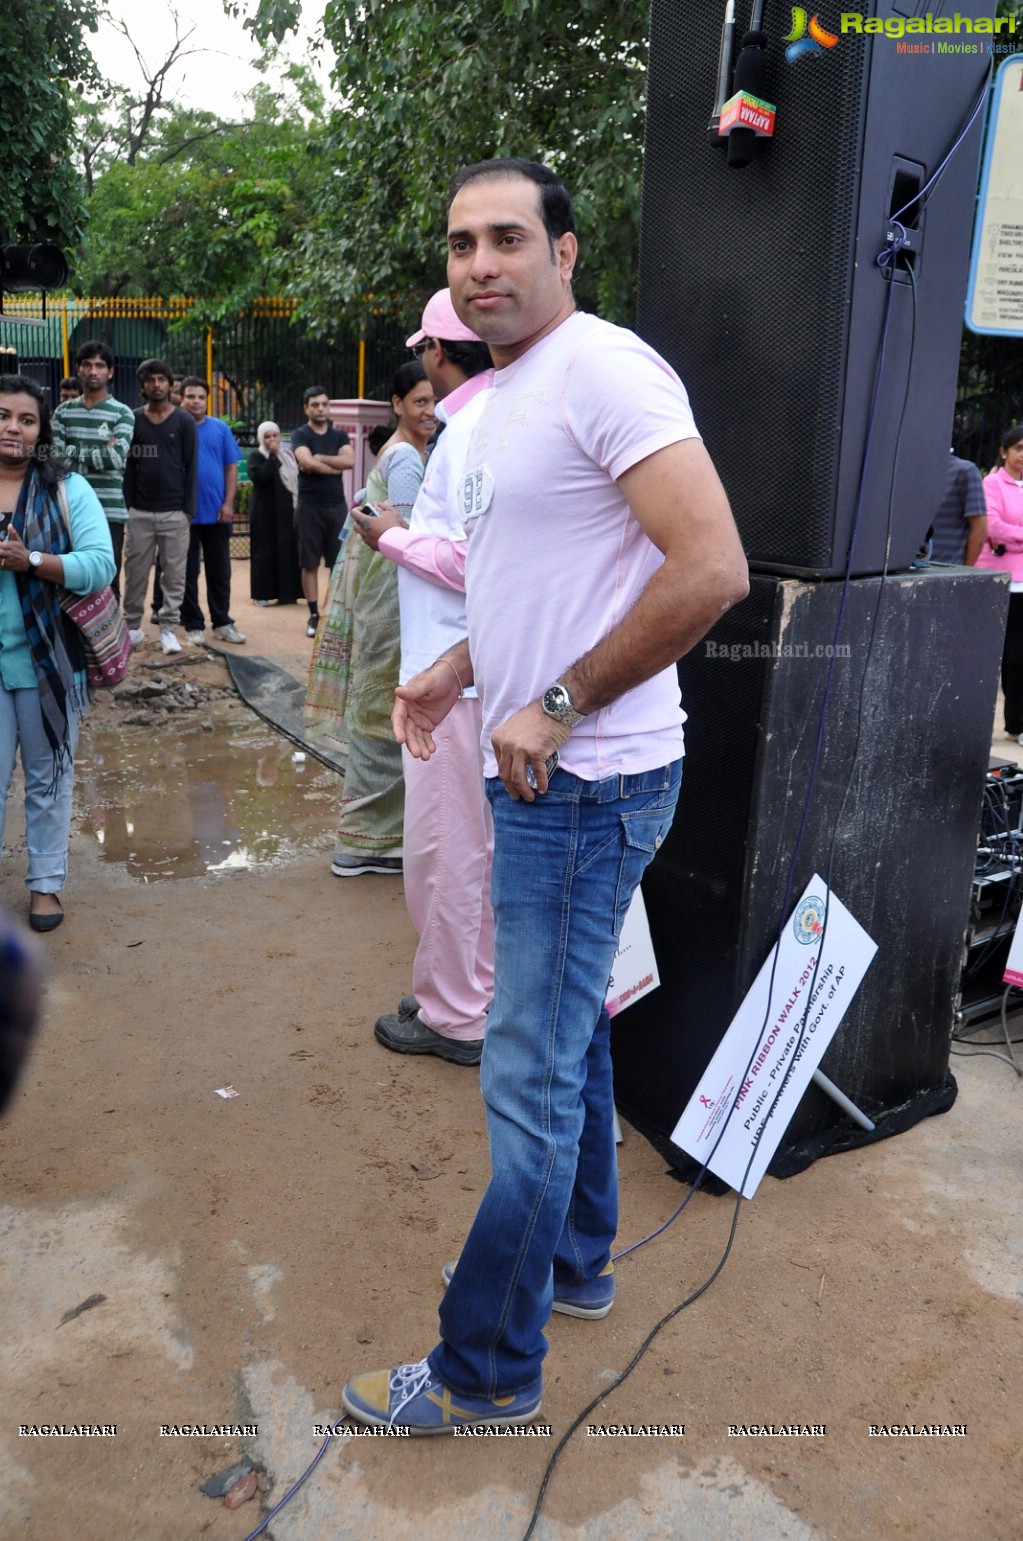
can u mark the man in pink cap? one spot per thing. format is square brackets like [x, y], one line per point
[448, 836]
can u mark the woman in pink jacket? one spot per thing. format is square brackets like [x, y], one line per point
[1003, 550]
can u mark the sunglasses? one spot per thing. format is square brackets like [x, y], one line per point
[421, 347]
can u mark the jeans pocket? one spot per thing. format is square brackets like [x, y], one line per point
[644, 830]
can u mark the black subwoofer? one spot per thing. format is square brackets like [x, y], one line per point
[761, 287]
[894, 816]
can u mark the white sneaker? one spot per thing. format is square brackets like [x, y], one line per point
[228, 633]
[169, 642]
[136, 636]
[199, 637]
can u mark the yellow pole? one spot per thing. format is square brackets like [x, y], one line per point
[362, 368]
[64, 338]
[209, 366]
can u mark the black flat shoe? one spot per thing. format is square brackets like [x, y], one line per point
[46, 922]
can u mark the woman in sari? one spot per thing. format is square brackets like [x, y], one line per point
[354, 669]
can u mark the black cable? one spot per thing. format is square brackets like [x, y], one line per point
[289, 1495]
[925, 192]
[633, 1362]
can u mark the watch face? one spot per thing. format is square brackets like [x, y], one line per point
[35, 558]
[557, 702]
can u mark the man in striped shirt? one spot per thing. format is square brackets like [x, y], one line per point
[93, 434]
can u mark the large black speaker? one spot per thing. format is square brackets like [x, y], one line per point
[761, 287]
[895, 814]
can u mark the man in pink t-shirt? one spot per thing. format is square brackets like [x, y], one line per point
[600, 549]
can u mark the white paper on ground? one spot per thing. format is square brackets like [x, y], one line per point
[833, 973]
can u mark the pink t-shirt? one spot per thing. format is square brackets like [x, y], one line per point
[556, 557]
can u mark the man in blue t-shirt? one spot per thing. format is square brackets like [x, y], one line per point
[210, 536]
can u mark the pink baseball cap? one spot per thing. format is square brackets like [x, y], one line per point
[439, 320]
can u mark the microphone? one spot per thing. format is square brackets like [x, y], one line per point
[748, 80]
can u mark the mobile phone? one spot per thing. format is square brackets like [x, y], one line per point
[550, 766]
[5, 520]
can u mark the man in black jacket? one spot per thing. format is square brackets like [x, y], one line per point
[160, 487]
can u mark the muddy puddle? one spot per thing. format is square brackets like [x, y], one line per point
[210, 792]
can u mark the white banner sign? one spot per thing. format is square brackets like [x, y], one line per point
[817, 970]
[994, 298]
[635, 967]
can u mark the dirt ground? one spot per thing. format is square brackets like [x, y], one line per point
[254, 1252]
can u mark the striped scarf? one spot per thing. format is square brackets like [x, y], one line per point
[55, 645]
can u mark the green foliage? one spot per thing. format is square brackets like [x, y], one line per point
[243, 494]
[44, 57]
[208, 207]
[428, 85]
[275, 18]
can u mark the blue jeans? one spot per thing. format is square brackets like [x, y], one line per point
[565, 869]
[47, 808]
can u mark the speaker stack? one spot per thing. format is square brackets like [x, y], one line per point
[824, 386]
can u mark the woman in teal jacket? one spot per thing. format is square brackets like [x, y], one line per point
[43, 685]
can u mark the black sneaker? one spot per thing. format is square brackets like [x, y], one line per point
[311, 625]
[412, 1036]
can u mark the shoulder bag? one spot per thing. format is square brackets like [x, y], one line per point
[100, 622]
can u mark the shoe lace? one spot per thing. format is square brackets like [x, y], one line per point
[406, 1382]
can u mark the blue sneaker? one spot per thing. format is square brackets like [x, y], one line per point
[412, 1397]
[592, 1299]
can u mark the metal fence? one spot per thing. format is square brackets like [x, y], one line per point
[258, 363]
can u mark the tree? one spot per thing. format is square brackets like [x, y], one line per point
[119, 125]
[44, 61]
[204, 206]
[428, 85]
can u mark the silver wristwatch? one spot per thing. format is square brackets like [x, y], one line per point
[557, 703]
[35, 559]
